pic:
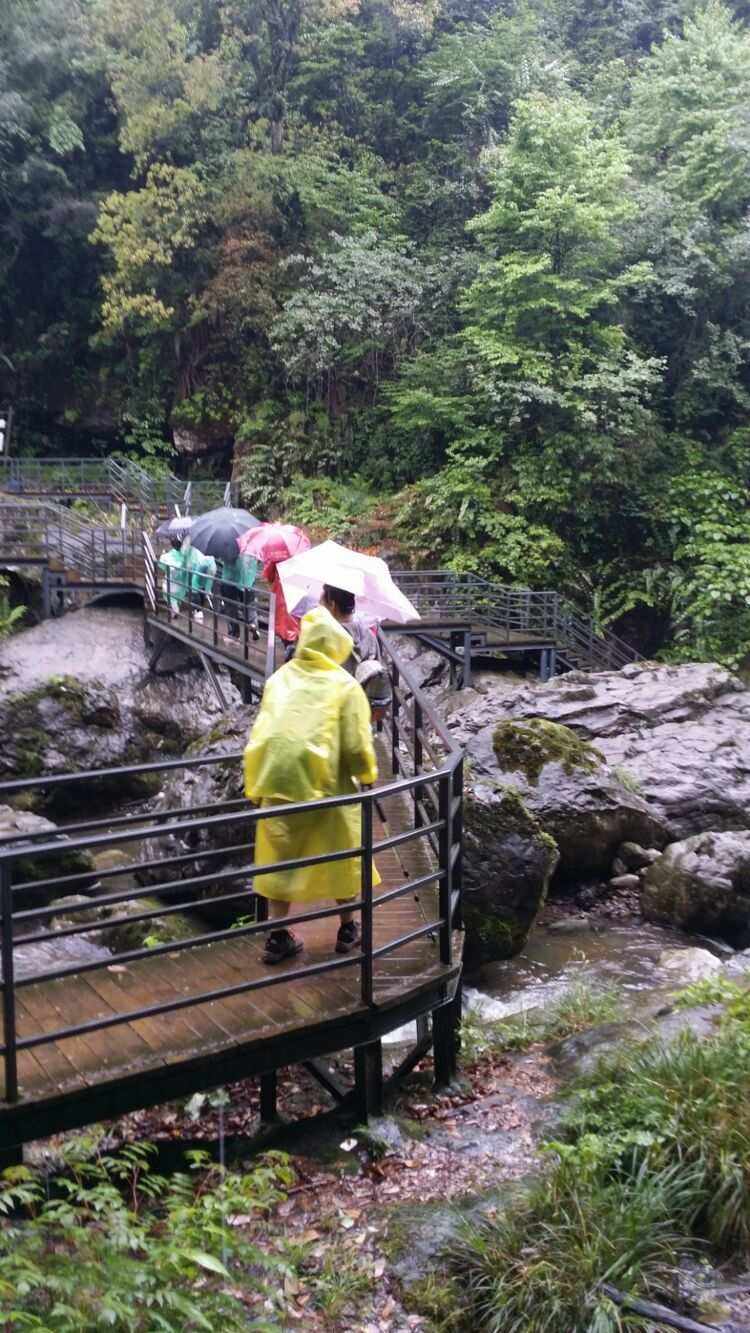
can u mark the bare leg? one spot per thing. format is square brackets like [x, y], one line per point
[346, 914]
[277, 908]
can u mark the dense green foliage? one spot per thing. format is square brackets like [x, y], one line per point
[119, 1247]
[486, 264]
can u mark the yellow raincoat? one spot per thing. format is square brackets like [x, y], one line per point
[312, 738]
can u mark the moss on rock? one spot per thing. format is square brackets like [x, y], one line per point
[526, 747]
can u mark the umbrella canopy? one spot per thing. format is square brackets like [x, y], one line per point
[273, 542]
[217, 533]
[366, 576]
[175, 527]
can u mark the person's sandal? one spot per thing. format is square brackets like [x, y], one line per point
[348, 938]
[281, 944]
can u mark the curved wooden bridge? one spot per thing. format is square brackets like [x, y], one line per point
[93, 1037]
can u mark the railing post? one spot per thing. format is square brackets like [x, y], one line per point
[418, 756]
[366, 895]
[271, 640]
[457, 840]
[445, 891]
[9, 990]
[395, 705]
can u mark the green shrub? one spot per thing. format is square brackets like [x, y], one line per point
[118, 1247]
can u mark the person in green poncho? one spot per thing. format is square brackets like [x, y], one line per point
[176, 576]
[237, 595]
[201, 570]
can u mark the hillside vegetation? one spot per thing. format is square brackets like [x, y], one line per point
[465, 278]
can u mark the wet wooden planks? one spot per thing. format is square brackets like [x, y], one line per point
[162, 1039]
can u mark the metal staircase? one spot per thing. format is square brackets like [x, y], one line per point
[114, 481]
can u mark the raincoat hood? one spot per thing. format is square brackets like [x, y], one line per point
[321, 636]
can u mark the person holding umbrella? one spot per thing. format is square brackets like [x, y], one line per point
[271, 543]
[238, 598]
[311, 739]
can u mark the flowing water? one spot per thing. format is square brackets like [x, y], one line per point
[624, 957]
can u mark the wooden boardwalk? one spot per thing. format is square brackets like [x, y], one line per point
[258, 1023]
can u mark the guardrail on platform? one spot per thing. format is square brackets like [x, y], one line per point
[427, 771]
[508, 611]
[125, 482]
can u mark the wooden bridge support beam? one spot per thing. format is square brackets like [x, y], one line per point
[446, 1033]
[368, 1080]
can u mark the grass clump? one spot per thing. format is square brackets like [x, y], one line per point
[580, 1006]
[653, 1162]
[538, 1267]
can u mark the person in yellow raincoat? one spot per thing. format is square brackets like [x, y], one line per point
[312, 738]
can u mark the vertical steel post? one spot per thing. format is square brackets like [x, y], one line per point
[418, 758]
[395, 758]
[9, 991]
[457, 841]
[271, 640]
[445, 883]
[368, 1079]
[366, 895]
[268, 1092]
[467, 661]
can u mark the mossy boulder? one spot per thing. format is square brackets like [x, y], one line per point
[508, 861]
[527, 747]
[64, 725]
[703, 884]
[566, 784]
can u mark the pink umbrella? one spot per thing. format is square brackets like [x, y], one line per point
[273, 542]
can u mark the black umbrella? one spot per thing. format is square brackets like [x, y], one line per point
[216, 532]
[174, 527]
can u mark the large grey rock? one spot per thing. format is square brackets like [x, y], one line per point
[566, 784]
[29, 829]
[703, 884]
[678, 736]
[223, 848]
[65, 725]
[508, 861]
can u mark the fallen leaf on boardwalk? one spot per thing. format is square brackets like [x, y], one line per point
[117, 967]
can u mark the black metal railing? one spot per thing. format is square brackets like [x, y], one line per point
[508, 614]
[213, 612]
[427, 777]
[48, 534]
[125, 482]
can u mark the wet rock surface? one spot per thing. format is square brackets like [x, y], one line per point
[13, 824]
[223, 848]
[508, 861]
[58, 716]
[703, 884]
[680, 735]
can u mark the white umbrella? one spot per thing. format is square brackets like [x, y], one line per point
[366, 576]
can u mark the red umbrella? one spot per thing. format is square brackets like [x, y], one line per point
[273, 543]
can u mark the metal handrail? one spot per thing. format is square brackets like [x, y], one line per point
[430, 780]
[124, 481]
[499, 607]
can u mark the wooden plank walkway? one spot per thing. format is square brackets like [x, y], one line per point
[68, 1067]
